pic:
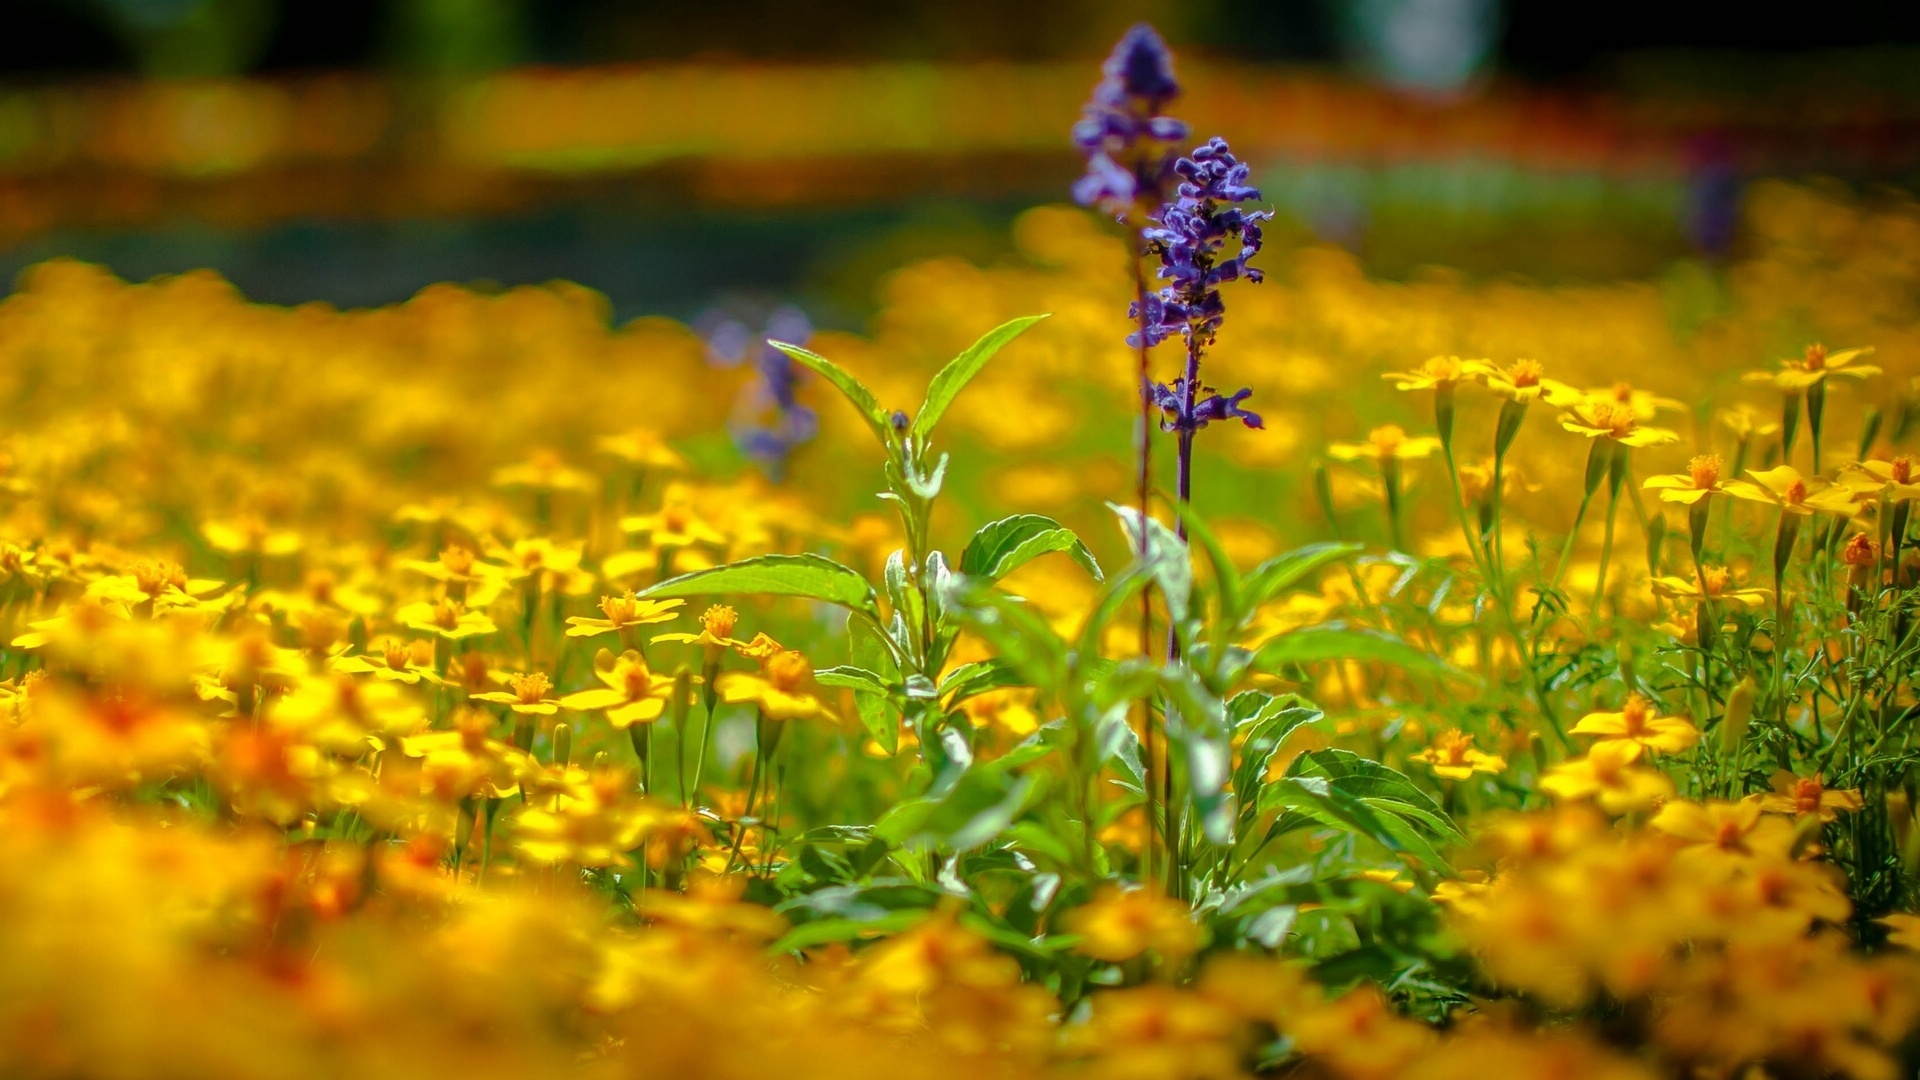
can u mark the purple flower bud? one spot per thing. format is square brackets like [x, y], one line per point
[1126, 139]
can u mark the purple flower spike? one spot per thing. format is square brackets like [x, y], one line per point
[1123, 131]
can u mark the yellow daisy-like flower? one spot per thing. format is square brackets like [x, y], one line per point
[632, 693]
[1439, 372]
[1701, 479]
[1748, 423]
[676, 525]
[448, 619]
[1607, 419]
[642, 449]
[621, 613]
[1895, 479]
[1804, 796]
[528, 695]
[544, 471]
[1608, 776]
[1716, 583]
[1814, 366]
[1523, 382]
[1904, 930]
[716, 631]
[1454, 756]
[1387, 443]
[1721, 828]
[1118, 925]
[1643, 404]
[407, 662]
[1785, 488]
[782, 689]
[1636, 726]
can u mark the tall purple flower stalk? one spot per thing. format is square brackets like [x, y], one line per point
[768, 423]
[1131, 146]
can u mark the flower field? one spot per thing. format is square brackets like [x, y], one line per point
[1512, 680]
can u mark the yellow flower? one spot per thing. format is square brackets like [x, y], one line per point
[1453, 756]
[1602, 418]
[1701, 479]
[1523, 382]
[1813, 367]
[543, 471]
[1636, 727]
[632, 693]
[1609, 776]
[1716, 583]
[676, 525]
[1439, 372]
[716, 631]
[1895, 478]
[249, 535]
[622, 613]
[528, 695]
[641, 448]
[1748, 423]
[407, 662]
[1387, 443]
[1802, 796]
[1120, 924]
[782, 688]
[1785, 488]
[1904, 930]
[1643, 405]
[448, 619]
[1723, 828]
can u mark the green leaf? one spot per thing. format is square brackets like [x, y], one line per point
[862, 398]
[1265, 722]
[828, 931]
[857, 679]
[1197, 732]
[978, 677]
[1225, 577]
[1286, 570]
[880, 715]
[811, 576]
[1379, 786]
[1317, 644]
[1005, 545]
[1167, 558]
[960, 371]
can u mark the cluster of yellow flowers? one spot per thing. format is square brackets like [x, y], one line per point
[340, 735]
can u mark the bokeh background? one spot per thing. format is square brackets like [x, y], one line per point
[679, 156]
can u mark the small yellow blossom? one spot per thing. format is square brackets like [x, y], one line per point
[622, 612]
[782, 689]
[1454, 756]
[1608, 775]
[631, 693]
[1386, 443]
[1813, 367]
[1636, 727]
[1784, 487]
[1607, 419]
[1804, 796]
[1701, 479]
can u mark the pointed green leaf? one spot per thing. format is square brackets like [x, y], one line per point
[1284, 571]
[811, 576]
[960, 371]
[1316, 644]
[843, 380]
[1005, 545]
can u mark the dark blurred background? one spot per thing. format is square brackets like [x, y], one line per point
[355, 150]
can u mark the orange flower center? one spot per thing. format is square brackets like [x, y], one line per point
[396, 655]
[1796, 492]
[1705, 470]
[1633, 716]
[420, 653]
[1902, 468]
[446, 614]
[1730, 836]
[676, 518]
[637, 680]
[1714, 579]
[154, 576]
[1526, 373]
[1616, 420]
[1816, 357]
[458, 560]
[1454, 747]
[1806, 794]
[619, 610]
[530, 689]
[1860, 551]
[1442, 368]
[719, 620]
[1623, 393]
[788, 671]
[1387, 439]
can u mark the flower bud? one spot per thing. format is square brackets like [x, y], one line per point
[1733, 725]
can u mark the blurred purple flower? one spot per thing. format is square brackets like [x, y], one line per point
[769, 422]
[1127, 139]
